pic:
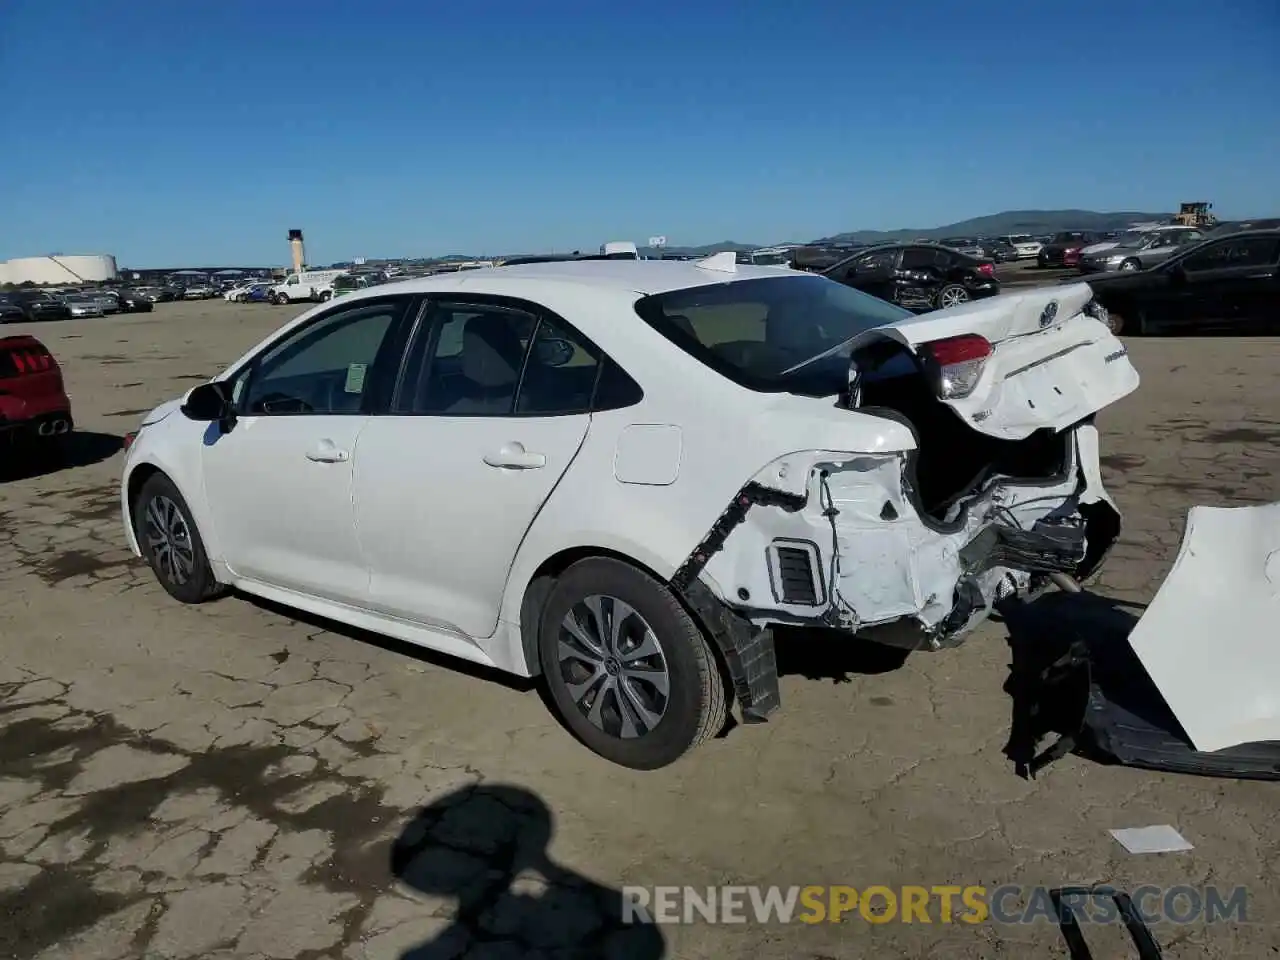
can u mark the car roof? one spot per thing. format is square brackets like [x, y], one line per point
[643, 277]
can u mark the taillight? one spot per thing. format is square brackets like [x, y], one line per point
[129, 438]
[987, 269]
[19, 361]
[956, 364]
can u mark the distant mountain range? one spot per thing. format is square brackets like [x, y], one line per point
[1034, 222]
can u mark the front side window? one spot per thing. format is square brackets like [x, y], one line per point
[771, 334]
[1238, 252]
[880, 260]
[332, 366]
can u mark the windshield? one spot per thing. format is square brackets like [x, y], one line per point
[770, 334]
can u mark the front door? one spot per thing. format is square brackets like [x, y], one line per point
[874, 273]
[280, 481]
[1226, 284]
[493, 409]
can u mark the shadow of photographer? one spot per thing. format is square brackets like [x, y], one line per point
[487, 847]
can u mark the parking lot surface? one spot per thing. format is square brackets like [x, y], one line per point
[235, 780]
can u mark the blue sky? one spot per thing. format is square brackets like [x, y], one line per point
[171, 133]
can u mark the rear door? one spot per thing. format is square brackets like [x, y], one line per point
[492, 408]
[920, 273]
[1022, 362]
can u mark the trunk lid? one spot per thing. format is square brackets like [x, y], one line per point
[1049, 363]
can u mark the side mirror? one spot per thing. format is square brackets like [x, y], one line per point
[554, 352]
[208, 403]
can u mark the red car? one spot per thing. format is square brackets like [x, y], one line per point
[33, 402]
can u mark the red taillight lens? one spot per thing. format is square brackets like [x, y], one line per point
[987, 269]
[129, 438]
[960, 349]
[956, 363]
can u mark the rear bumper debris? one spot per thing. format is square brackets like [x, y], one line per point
[1189, 687]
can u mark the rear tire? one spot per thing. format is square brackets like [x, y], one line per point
[614, 702]
[953, 294]
[171, 544]
[326, 296]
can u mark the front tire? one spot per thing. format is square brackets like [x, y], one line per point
[171, 544]
[628, 670]
[1128, 323]
[1131, 265]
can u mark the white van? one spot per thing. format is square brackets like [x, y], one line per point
[315, 285]
[619, 250]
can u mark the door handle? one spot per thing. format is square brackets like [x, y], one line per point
[513, 456]
[325, 452]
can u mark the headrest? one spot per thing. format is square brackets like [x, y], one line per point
[491, 351]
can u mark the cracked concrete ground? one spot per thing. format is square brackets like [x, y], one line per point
[234, 780]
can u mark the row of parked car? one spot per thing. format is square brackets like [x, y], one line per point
[44, 305]
[1162, 279]
[315, 286]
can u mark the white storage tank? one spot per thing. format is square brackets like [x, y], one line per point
[56, 268]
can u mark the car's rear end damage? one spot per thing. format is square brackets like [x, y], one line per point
[997, 490]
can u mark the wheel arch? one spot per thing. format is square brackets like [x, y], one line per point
[536, 591]
[143, 471]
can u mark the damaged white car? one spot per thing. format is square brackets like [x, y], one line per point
[620, 475]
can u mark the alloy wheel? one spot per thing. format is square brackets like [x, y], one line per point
[953, 296]
[613, 666]
[169, 540]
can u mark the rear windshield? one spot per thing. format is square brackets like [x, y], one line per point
[757, 332]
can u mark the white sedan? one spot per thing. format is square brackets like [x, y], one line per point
[619, 475]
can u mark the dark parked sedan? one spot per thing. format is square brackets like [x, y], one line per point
[917, 276]
[1225, 281]
[39, 306]
[10, 312]
[132, 301]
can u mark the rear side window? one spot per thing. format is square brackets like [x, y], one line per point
[559, 374]
[499, 360]
[920, 258]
